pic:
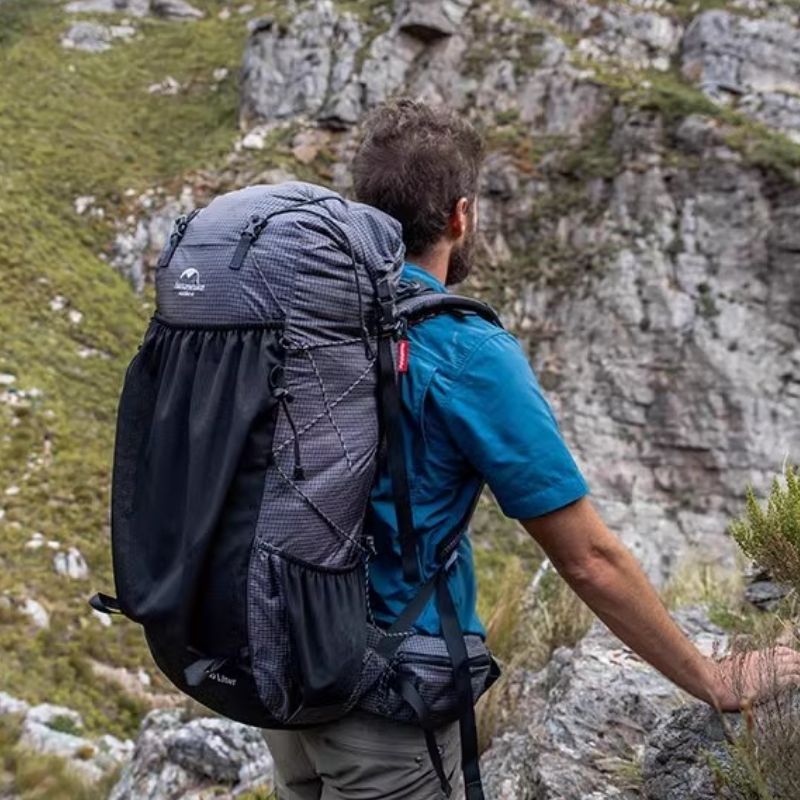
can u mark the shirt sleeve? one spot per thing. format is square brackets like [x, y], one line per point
[499, 418]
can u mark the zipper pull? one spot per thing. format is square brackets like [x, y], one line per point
[174, 240]
[253, 230]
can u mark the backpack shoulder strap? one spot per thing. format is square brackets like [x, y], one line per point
[416, 303]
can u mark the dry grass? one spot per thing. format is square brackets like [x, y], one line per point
[527, 625]
[764, 755]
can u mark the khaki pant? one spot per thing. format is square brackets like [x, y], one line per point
[362, 757]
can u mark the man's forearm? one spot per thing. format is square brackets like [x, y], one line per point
[605, 575]
[619, 593]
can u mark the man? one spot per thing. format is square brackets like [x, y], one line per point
[473, 412]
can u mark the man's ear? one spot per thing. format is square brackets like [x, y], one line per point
[459, 219]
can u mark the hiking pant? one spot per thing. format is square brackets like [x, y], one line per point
[362, 757]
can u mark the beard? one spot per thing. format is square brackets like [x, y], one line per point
[460, 264]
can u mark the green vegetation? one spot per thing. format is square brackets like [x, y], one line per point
[71, 124]
[771, 536]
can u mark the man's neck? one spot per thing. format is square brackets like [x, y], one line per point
[435, 261]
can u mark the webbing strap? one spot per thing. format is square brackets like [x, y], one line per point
[392, 636]
[105, 604]
[414, 699]
[457, 648]
[395, 453]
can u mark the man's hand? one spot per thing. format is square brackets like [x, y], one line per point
[748, 678]
[605, 575]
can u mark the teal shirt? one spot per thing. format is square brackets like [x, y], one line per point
[473, 411]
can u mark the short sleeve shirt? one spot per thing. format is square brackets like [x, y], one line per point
[473, 412]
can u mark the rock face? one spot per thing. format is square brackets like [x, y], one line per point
[178, 758]
[651, 269]
[679, 754]
[752, 63]
[601, 704]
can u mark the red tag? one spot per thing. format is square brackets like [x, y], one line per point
[403, 346]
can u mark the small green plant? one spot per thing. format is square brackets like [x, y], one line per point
[771, 536]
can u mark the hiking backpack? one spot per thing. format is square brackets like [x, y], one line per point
[250, 427]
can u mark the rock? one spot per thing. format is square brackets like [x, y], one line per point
[308, 143]
[7, 379]
[11, 705]
[302, 69]
[74, 316]
[136, 246]
[637, 37]
[602, 704]
[56, 730]
[169, 86]
[430, 19]
[220, 74]
[71, 564]
[91, 7]
[174, 757]
[677, 758]
[168, 9]
[88, 36]
[675, 765]
[752, 63]
[36, 612]
[765, 594]
[175, 9]
[84, 203]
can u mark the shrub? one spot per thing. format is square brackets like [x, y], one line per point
[771, 536]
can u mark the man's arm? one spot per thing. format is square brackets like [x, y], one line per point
[606, 576]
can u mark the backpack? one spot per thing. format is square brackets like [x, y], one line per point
[250, 427]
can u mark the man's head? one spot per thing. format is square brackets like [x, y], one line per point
[421, 166]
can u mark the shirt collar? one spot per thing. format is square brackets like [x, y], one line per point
[413, 272]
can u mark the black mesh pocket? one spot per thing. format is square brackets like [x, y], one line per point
[423, 661]
[193, 440]
[307, 636]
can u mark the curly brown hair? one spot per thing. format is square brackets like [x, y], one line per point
[415, 162]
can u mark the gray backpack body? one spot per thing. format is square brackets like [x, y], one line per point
[250, 428]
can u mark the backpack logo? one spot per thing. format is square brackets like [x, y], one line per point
[220, 678]
[189, 283]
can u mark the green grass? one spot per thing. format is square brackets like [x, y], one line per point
[73, 124]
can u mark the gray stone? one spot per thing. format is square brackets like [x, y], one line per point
[765, 594]
[11, 705]
[35, 612]
[304, 69]
[602, 703]
[675, 765]
[430, 19]
[751, 63]
[174, 758]
[90, 37]
[175, 9]
[637, 37]
[57, 731]
[71, 564]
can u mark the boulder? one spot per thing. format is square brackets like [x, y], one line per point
[602, 704]
[174, 757]
[429, 20]
[71, 564]
[175, 9]
[681, 751]
[57, 731]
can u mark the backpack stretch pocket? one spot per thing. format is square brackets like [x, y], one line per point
[307, 644]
